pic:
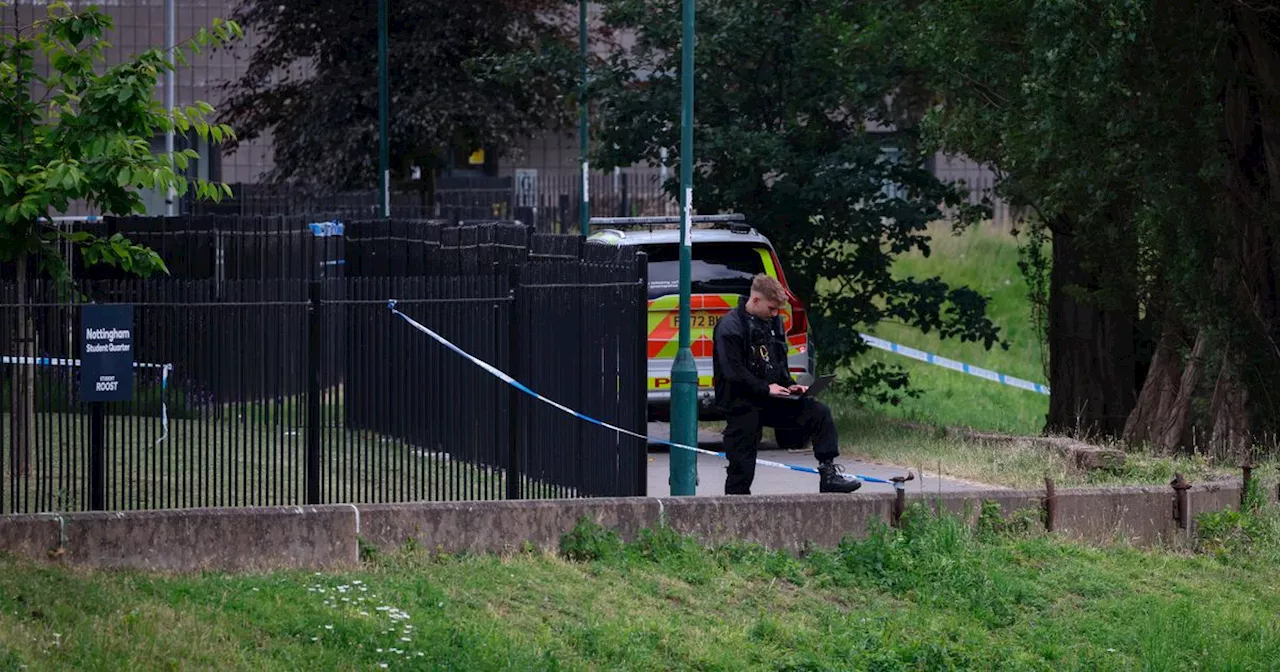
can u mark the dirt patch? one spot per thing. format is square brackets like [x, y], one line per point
[1083, 456]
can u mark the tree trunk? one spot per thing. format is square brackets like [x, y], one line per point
[1091, 363]
[1175, 430]
[1159, 390]
[1231, 435]
[22, 403]
[1243, 390]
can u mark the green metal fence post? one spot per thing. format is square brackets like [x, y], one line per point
[684, 373]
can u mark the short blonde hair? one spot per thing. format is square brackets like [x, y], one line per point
[768, 288]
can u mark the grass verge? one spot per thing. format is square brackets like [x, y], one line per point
[869, 435]
[984, 259]
[933, 595]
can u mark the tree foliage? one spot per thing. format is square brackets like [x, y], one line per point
[1140, 134]
[76, 131]
[1045, 94]
[785, 100]
[461, 76]
[81, 132]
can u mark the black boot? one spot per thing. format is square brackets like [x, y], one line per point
[833, 479]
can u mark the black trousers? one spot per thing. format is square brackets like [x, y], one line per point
[747, 420]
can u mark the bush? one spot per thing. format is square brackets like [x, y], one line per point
[940, 560]
[1020, 524]
[1230, 534]
[589, 542]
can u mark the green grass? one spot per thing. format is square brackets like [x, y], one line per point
[986, 260]
[936, 595]
[869, 435]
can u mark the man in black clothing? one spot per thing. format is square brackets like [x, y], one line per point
[754, 388]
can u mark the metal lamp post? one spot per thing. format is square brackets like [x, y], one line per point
[584, 206]
[384, 144]
[684, 372]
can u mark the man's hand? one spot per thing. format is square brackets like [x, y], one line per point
[777, 390]
[798, 389]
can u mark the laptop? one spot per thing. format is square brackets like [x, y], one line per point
[816, 388]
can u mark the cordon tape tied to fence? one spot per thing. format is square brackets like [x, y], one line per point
[501, 375]
[164, 380]
[952, 364]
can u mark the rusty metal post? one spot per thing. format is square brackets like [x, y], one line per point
[1244, 487]
[900, 501]
[899, 506]
[1181, 507]
[1050, 504]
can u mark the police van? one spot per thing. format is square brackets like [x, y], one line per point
[726, 254]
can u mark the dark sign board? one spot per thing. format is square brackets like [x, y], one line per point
[106, 352]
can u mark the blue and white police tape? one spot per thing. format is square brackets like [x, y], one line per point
[164, 406]
[55, 361]
[952, 364]
[501, 375]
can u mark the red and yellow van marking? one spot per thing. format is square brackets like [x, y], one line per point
[664, 382]
[705, 311]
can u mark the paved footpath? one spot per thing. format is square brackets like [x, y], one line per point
[775, 481]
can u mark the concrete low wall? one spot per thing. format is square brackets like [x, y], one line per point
[1141, 516]
[789, 522]
[496, 527]
[968, 505]
[324, 537]
[240, 539]
[31, 536]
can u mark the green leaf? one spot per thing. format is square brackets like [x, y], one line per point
[89, 136]
[158, 263]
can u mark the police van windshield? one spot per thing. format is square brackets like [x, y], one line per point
[717, 268]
